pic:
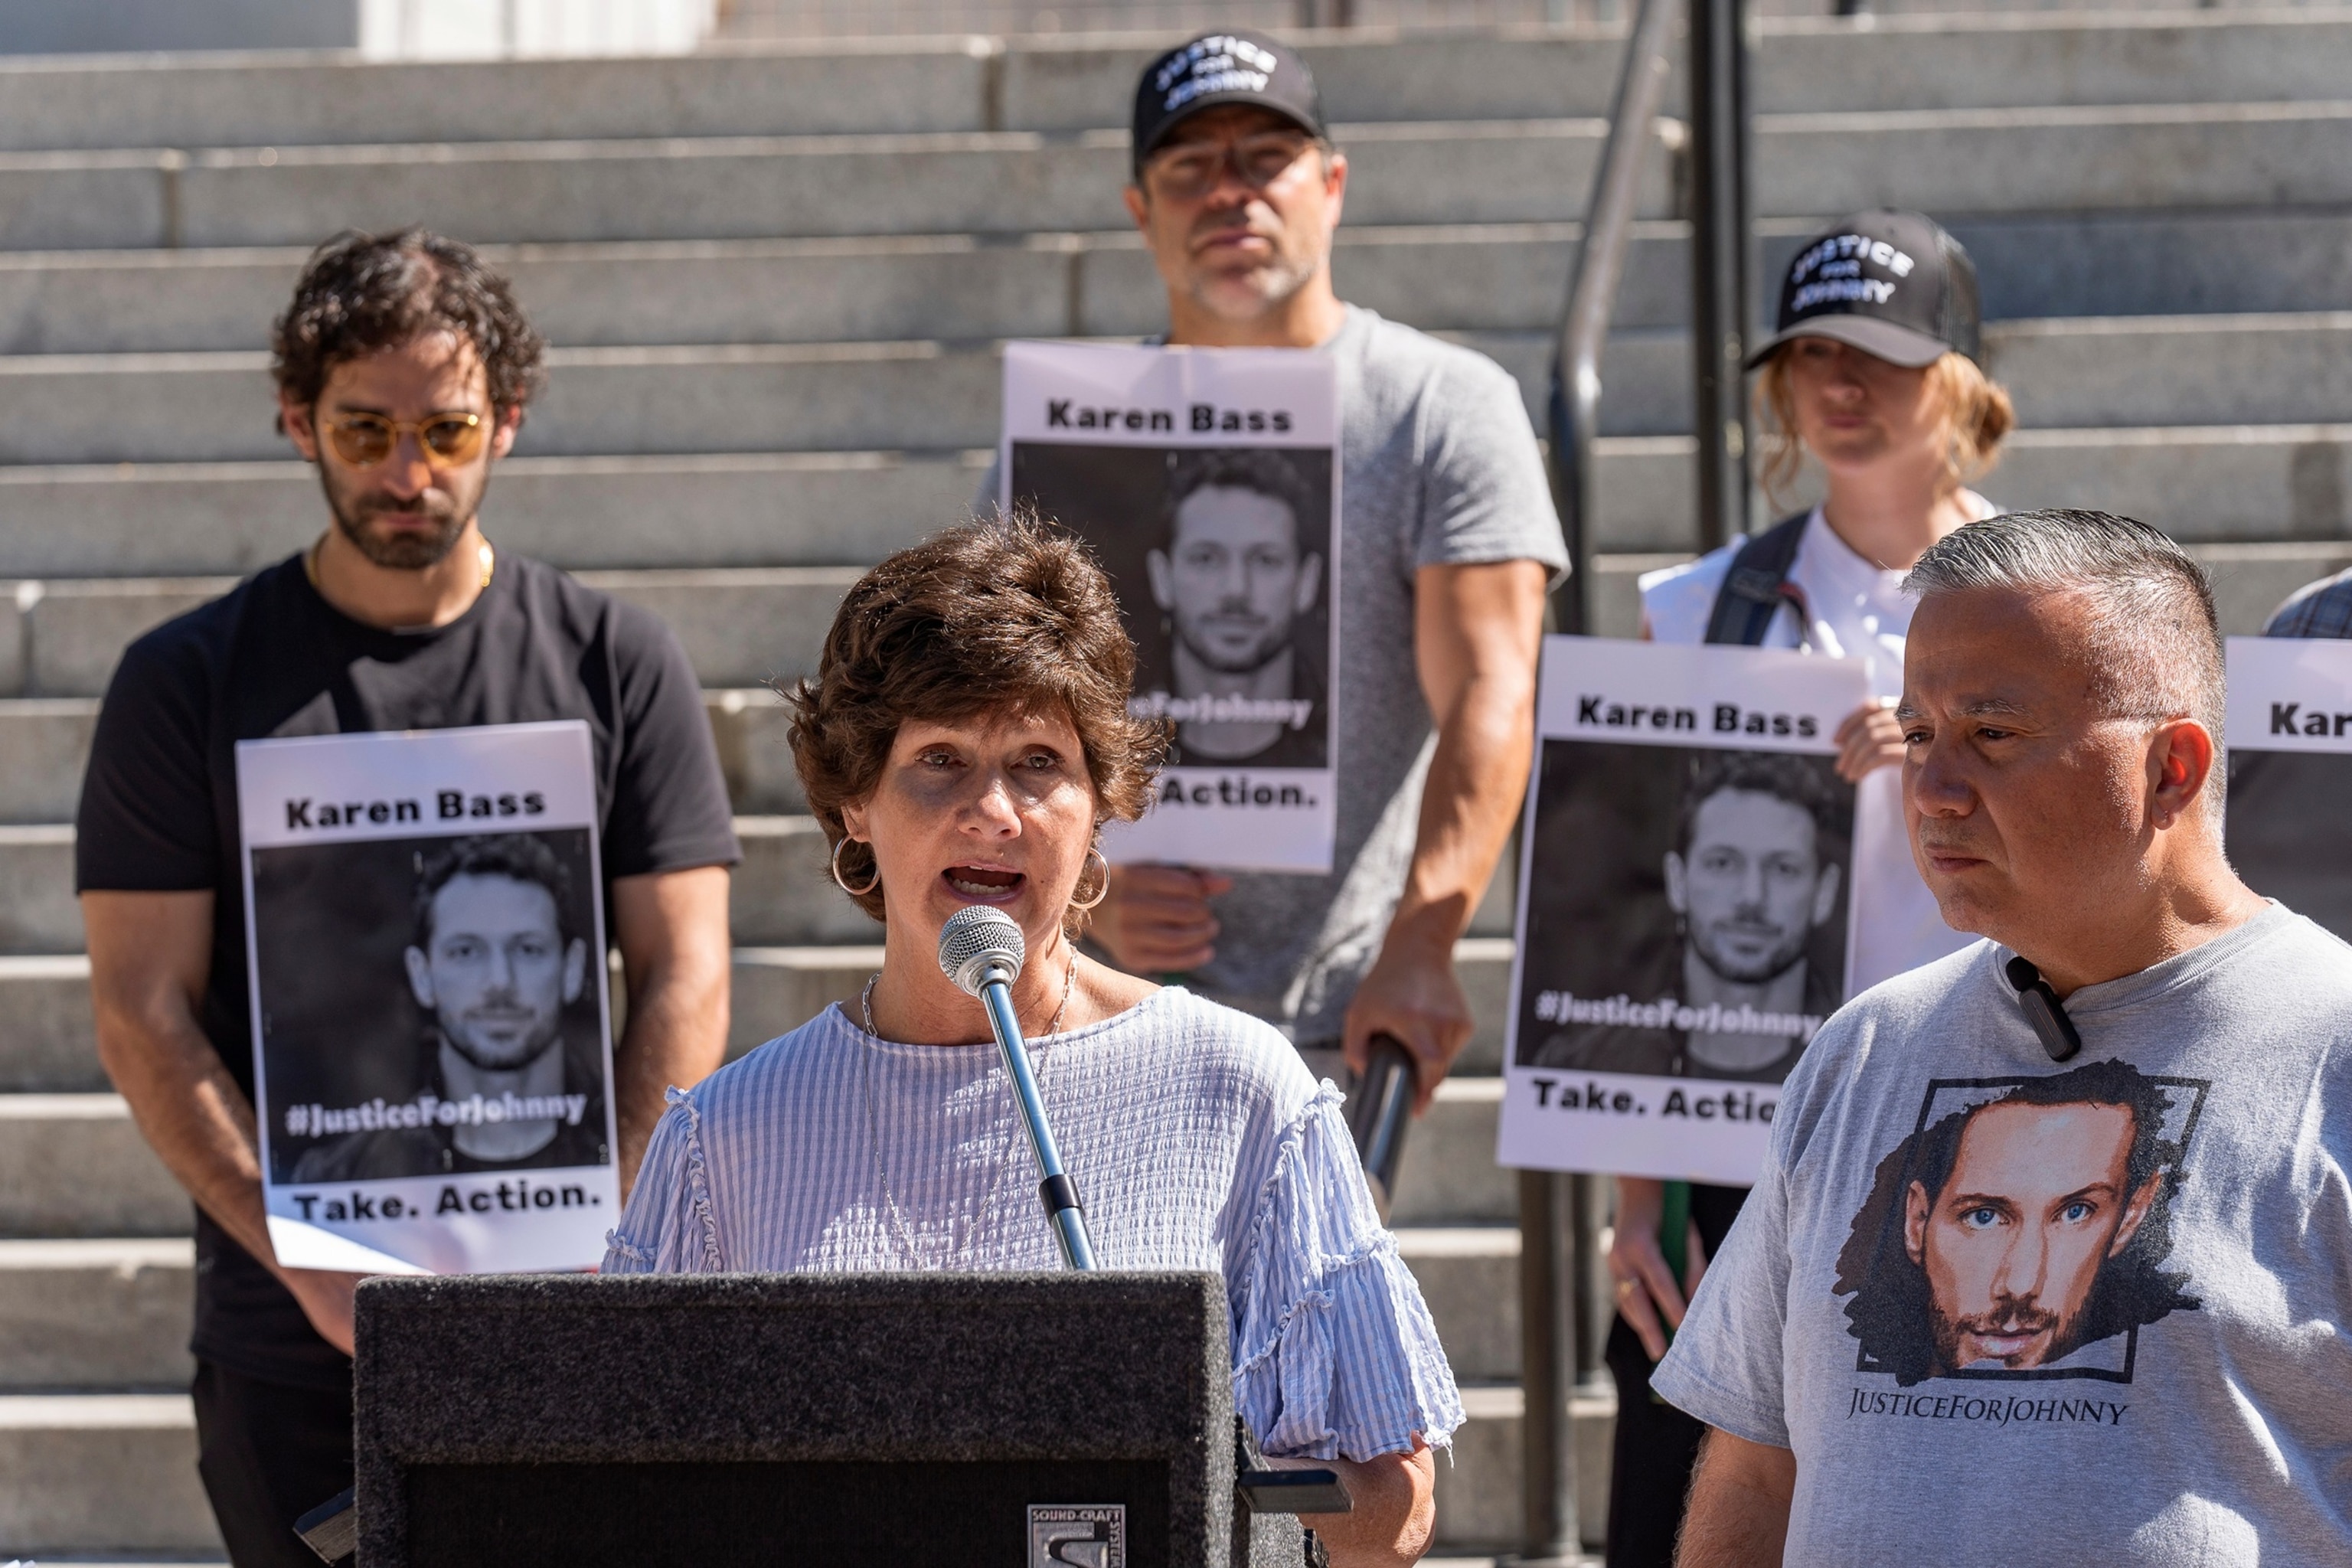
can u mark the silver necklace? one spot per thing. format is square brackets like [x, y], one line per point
[872, 1135]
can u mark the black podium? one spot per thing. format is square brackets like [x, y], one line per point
[912, 1420]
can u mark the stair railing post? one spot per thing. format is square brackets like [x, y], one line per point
[1550, 1531]
[1719, 161]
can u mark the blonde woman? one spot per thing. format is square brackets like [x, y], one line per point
[1873, 373]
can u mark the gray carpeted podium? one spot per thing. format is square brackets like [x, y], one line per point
[1077, 1419]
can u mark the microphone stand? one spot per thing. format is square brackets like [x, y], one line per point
[1057, 1191]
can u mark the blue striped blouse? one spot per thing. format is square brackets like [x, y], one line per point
[1197, 1140]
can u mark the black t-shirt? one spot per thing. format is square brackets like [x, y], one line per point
[272, 659]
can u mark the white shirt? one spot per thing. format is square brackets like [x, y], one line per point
[1858, 610]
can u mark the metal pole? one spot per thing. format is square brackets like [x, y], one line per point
[1592, 299]
[1547, 1448]
[1593, 1307]
[1719, 154]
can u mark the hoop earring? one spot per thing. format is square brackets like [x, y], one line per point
[1102, 888]
[871, 883]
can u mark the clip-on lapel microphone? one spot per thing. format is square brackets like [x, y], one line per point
[2044, 1011]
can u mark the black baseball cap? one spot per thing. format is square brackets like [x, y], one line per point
[1893, 284]
[1232, 66]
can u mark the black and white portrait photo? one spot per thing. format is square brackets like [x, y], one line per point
[2289, 833]
[1220, 557]
[2289, 739]
[1686, 910]
[430, 1005]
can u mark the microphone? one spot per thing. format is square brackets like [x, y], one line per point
[2043, 1010]
[981, 949]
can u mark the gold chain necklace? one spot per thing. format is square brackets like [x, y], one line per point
[898, 1225]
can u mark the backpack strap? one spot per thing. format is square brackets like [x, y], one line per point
[1758, 585]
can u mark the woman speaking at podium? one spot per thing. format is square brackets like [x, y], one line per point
[965, 739]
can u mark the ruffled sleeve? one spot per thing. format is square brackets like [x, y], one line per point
[669, 1227]
[1334, 1352]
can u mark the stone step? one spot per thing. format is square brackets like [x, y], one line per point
[2217, 482]
[1890, 61]
[747, 627]
[92, 1473]
[1448, 1176]
[114, 1313]
[729, 508]
[1469, 1275]
[86, 1473]
[45, 745]
[89, 410]
[47, 1045]
[1954, 161]
[783, 895]
[741, 626]
[962, 287]
[1478, 1496]
[74, 1164]
[2248, 368]
[2250, 580]
[670, 188]
[102, 1313]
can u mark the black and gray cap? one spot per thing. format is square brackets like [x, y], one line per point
[1232, 66]
[1893, 284]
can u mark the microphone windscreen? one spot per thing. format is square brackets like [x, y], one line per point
[976, 939]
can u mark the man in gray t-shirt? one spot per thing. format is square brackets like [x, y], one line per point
[1448, 542]
[2051, 1256]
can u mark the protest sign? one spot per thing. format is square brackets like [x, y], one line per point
[1207, 482]
[432, 1067]
[1686, 913]
[2289, 739]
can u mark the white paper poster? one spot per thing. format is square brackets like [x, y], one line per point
[2289, 805]
[1208, 484]
[1684, 918]
[432, 1061]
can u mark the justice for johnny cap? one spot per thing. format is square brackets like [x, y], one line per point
[1893, 284]
[1236, 66]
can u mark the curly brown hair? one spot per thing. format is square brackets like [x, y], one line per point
[1005, 617]
[363, 293]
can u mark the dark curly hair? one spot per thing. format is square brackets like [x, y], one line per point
[1259, 470]
[1803, 781]
[1004, 617]
[363, 293]
[517, 856]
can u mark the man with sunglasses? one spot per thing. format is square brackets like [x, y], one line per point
[403, 369]
[1446, 531]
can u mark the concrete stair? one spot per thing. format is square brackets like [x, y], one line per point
[776, 279]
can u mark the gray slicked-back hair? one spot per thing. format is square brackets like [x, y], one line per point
[2155, 649]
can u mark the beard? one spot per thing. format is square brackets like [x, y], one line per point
[409, 548]
[496, 1056]
[1245, 293]
[1266, 643]
[1720, 957]
[2009, 1318]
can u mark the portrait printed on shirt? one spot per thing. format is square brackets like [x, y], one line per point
[431, 1069]
[2289, 736]
[1206, 484]
[2024, 1228]
[1686, 903]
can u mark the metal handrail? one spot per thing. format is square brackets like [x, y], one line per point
[1592, 299]
[1556, 1233]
